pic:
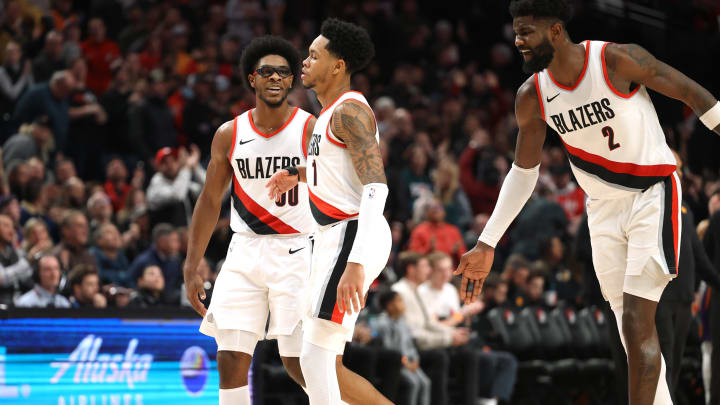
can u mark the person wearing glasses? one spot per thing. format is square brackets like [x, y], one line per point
[268, 260]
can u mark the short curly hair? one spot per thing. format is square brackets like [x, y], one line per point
[268, 45]
[559, 9]
[348, 42]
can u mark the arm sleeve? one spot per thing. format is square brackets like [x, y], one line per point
[516, 190]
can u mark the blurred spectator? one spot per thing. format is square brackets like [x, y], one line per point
[441, 298]
[99, 210]
[45, 293]
[32, 140]
[151, 287]
[198, 115]
[175, 186]
[112, 263]
[395, 334]
[50, 60]
[15, 78]
[150, 122]
[64, 170]
[86, 120]
[63, 14]
[71, 46]
[562, 284]
[447, 190]
[72, 249]
[495, 292]
[568, 194]
[516, 272]
[415, 175]
[117, 297]
[541, 218]
[116, 185]
[15, 271]
[437, 235]
[85, 286]
[101, 54]
[36, 241]
[164, 254]
[9, 207]
[481, 172]
[711, 241]
[533, 295]
[471, 235]
[116, 103]
[49, 99]
[73, 193]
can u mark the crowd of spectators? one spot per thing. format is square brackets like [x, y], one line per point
[108, 109]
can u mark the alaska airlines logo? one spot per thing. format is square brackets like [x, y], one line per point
[194, 366]
[104, 368]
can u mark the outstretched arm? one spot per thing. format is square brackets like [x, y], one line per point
[516, 189]
[631, 63]
[207, 211]
[354, 124]
[283, 180]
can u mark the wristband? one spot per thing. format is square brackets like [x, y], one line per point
[293, 171]
[711, 117]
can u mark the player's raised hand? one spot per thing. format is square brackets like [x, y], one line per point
[350, 297]
[474, 266]
[194, 289]
[281, 182]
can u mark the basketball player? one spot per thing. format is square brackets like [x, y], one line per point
[347, 188]
[268, 260]
[593, 94]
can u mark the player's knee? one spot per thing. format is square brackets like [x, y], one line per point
[637, 326]
[292, 366]
[233, 368]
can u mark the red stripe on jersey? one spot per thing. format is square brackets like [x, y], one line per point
[261, 213]
[619, 167]
[304, 135]
[334, 142]
[252, 124]
[328, 209]
[337, 316]
[582, 74]
[607, 78]
[539, 93]
[232, 147]
[675, 224]
[338, 98]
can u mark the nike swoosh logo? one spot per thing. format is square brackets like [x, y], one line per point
[295, 251]
[244, 142]
[549, 99]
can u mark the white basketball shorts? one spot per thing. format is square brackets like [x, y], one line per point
[261, 275]
[325, 325]
[636, 240]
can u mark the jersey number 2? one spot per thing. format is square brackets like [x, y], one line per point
[291, 197]
[610, 135]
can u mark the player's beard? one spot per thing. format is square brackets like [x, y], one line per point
[274, 104]
[542, 55]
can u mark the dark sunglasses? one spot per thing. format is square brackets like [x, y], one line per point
[267, 71]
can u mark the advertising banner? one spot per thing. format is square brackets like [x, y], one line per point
[106, 362]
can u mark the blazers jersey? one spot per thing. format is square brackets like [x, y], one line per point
[334, 187]
[254, 158]
[614, 140]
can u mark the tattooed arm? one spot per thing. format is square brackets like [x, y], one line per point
[631, 63]
[354, 124]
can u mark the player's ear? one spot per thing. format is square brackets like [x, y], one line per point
[340, 66]
[556, 30]
[251, 79]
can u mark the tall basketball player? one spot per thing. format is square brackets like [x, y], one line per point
[347, 188]
[593, 94]
[268, 260]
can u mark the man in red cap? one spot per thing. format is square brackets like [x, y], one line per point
[179, 178]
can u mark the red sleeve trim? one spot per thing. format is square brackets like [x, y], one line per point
[607, 78]
[330, 138]
[304, 135]
[582, 75]
[537, 88]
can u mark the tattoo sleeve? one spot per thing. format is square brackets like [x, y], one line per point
[632, 63]
[355, 125]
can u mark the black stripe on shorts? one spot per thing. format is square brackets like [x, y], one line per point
[330, 294]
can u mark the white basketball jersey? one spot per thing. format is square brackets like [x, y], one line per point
[254, 158]
[614, 141]
[334, 187]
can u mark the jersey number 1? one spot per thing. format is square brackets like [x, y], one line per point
[610, 135]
